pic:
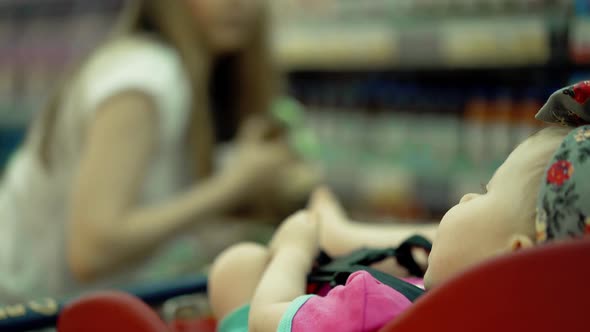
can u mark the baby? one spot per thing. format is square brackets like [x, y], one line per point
[272, 280]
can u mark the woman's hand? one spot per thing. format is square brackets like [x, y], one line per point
[260, 157]
[258, 128]
[296, 183]
[257, 165]
[283, 181]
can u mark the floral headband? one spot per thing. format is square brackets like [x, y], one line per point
[563, 204]
[569, 106]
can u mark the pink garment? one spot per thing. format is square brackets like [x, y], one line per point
[418, 282]
[364, 304]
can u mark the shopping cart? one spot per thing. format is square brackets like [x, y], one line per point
[542, 289]
[112, 306]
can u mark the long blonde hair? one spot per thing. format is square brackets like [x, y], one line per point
[250, 74]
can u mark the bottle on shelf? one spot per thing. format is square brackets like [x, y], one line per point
[501, 108]
[476, 116]
[524, 123]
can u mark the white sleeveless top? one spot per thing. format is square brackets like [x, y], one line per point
[33, 202]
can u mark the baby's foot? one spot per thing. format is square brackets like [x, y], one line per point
[331, 217]
[300, 233]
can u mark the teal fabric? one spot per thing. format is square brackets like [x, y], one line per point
[286, 322]
[237, 321]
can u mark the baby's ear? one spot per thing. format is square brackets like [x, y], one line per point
[520, 241]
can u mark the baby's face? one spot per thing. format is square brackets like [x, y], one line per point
[482, 225]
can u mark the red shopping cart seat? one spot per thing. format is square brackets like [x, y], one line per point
[109, 311]
[543, 289]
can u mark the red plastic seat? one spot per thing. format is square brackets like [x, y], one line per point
[109, 311]
[119, 311]
[542, 289]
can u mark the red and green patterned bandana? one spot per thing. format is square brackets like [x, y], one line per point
[563, 205]
[569, 106]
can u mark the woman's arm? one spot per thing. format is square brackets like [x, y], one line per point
[107, 230]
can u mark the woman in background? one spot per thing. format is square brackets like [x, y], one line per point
[121, 161]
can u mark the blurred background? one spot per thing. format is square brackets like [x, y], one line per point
[407, 103]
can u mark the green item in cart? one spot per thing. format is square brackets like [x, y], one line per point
[288, 111]
[292, 115]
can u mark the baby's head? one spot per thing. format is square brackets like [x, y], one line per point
[539, 194]
[500, 220]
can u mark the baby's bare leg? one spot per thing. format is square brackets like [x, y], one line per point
[234, 277]
[340, 236]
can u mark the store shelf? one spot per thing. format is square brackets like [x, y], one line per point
[57, 9]
[336, 46]
[580, 40]
[481, 42]
[434, 42]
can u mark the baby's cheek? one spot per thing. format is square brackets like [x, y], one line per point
[444, 261]
[433, 271]
[428, 280]
[443, 254]
[434, 274]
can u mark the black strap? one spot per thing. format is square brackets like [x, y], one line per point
[336, 271]
[367, 256]
[405, 257]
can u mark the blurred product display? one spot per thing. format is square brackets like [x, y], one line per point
[40, 40]
[408, 33]
[407, 149]
[407, 102]
[579, 37]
